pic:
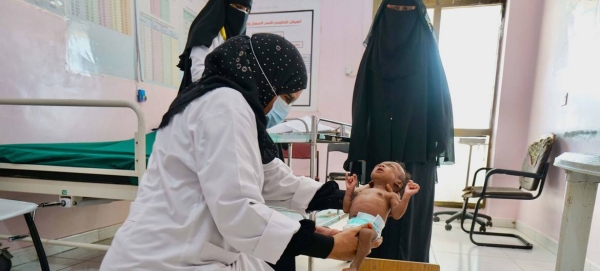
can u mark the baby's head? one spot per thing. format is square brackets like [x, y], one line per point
[392, 173]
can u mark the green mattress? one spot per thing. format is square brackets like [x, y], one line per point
[102, 155]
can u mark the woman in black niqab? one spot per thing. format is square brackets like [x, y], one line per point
[231, 15]
[402, 111]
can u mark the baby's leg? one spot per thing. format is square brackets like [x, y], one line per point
[365, 237]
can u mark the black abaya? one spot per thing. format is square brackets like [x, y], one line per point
[402, 111]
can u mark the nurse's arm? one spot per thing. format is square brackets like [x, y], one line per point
[198, 56]
[226, 143]
[284, 189]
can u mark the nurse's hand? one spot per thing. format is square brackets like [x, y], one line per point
[346, 243]
[326, 231]
[377, 242]
[331, 232]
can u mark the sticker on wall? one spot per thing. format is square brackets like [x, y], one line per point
[100, 38]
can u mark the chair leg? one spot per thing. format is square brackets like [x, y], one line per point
[526, 245]
[466, 215]
[487, 217]
[37, 243]
[436, 215]
[456, 215]
[444, 213]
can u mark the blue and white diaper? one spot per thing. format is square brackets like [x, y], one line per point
[364, 218]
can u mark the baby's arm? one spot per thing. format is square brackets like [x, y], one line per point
[348, 200]
[399, 205]
[350, 186]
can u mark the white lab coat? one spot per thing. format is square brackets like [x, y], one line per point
[202, 203]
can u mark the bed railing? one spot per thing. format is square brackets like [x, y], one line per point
[140, 135]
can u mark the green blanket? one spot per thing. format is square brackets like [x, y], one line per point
[104, 155]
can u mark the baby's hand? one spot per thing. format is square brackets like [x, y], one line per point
[351, 182]
[411, 188]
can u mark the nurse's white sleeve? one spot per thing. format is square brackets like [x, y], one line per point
[231, 177]
[284, 189]
[198, 56]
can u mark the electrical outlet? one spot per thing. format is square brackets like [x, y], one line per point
[141, 96]
[564, 99]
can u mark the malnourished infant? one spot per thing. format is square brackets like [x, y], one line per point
[387, 194]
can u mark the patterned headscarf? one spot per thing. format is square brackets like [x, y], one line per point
[234, 65]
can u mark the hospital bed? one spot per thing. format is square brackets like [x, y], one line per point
[78, 173]
[103, 170]
[106, 171]
[77, 170]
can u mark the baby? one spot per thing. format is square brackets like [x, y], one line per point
[386, 195]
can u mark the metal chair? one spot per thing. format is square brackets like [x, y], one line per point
[335, 147]
[356, 167]
[459, 214]
[532, 177]
[13, 208]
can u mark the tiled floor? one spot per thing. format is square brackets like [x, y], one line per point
[452, 250]
[78, 259]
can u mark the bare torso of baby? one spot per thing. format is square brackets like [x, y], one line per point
[374, 201]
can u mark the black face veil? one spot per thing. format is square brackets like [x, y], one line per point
[215, 15]
[235, 19]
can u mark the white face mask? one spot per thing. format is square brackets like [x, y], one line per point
[278, 113]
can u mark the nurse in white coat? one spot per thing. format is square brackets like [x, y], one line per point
[202, 204]
[230, 16]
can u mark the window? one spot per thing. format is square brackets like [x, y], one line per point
[468, 45]
[468, 38]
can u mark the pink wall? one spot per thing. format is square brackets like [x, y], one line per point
[517, 71]
[569, 61]
[32, 52]
[344, 26]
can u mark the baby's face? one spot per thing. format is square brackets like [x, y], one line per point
[390, 173]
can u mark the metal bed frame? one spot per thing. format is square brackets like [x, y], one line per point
[75, 189]
[78, 191]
